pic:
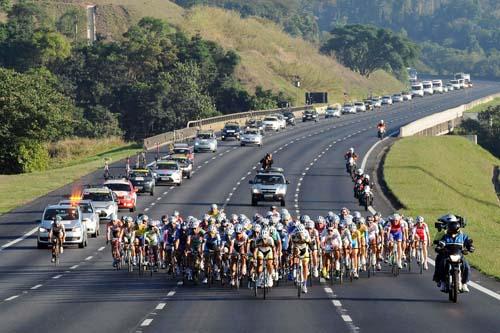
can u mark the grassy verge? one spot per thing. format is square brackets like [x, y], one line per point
[433, 176]
[482, 107]
[16, 190]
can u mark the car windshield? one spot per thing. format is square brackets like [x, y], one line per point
[118, 187]
[269, 179]
[358, 103]
[270, 119]
[288, 114]
[253, 132]
[181, 151]
[416, 87]
[135, 174]
[454, 81]
[427, 86]
[347, 104]
[182, 161]
[94, 196]
[86, 208]
[204, 136]
[65, 213]
[166, 166]
[386, 97]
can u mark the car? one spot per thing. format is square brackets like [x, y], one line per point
[377, 102]
[143, 181]
[428, 89]
[396, 98]
[386, 100]
[255, 123]
[450, 86]
[270, 185]
[281, 120]
[168, 172]
[437, 86]
[369, 105]
[445, 88]
[74, 225]
[461, 83]
[310, 115]
[348, 108]
[251, 136]
[271, 123]
[205, 141]
[332, 111]
[125, 193]
[185, 149]
[230, 130]
[417, 90]
[455, 84]
[104, 200]
[185, 165]
[289, 118]
[89, 214]
[406, 96]
[360, 106]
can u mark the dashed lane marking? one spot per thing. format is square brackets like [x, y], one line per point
[12, 297]
[146, 209]
[347, 318]
[89, 258]
[180, 283]
[74, 267]
[160, 306]
[20, 239]
[36, 287]
[336, 303]
[171, 293]
[57, 276]
[146, 322]
[328, 290]
[101, 248]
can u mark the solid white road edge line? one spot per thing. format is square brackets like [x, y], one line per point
[365, 159]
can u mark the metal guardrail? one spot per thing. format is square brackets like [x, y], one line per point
[215, 123]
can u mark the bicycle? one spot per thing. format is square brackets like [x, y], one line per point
[393, 260]
[56, 251]
[129, 258]
[298, 276]
[420, 256]
[372, 261]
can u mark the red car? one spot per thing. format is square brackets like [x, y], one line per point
[124, 190]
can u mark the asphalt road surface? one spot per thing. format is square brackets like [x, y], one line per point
[85, 294]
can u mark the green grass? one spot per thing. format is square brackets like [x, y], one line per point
[16, 190]
[483, 107]
[432, 176]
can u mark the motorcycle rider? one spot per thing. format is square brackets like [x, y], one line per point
[381, 128]
[453, 236]
[347, 156]
[267, 161]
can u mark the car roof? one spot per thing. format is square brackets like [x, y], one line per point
[231, 124]
[167, 162]
[117, 181]
[97, 190]
[77, 201]
[206, 132]
[178, 156]
[181, 145]
[58, 206]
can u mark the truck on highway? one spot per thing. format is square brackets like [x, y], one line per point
[465, 77]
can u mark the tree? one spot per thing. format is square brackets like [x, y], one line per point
[365, 49]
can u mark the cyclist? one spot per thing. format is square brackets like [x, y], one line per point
[355, 245]
[140, 228]
[300, 250]
[212, 246]
[381, 128]
[313, 246]
[251, 247]
[237, 249]
[363, 231]
[396, 235]
[350, 157]
[373, 241]
[56, 234]
[265, 249]
[421, 234]
[330, 243]
[194, 247]
[129, 236]
[284, 239]
[114, 235]
[267, 161]
[152, 240]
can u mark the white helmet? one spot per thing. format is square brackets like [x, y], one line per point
[265, 233]
[382, 121]
[214, 206]
[420, 219]
[367, 177]
[367, 188]
[301, 228]
[257, 227]
[310, 224]
[359, 172]
[351, 150]
[238, 228]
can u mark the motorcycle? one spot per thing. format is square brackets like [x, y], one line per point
[351, 167]
[358, 189]
[453, 263]
[381, 133]
[366, 198]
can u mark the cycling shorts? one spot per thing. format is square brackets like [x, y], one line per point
[396, 236]
[268, 254]
[355, 244]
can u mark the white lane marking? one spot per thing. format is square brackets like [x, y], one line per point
[165, 193]
[57, 276]
[347, 318]
[171, 293]
[199, 167]
[172, 187]
[152, 204]
[146, 209]
[36, 287]
[336, 303]
[474, 284]
[328, 290]
[160, 306]
[180, 283]
[206, 162]
[146, 322]
[74, 267]
[365, 159]
[20, 239]
[372, 210]
[89, 258]
[214, 158]
[101, 248]
[158, 199]
[12, 297]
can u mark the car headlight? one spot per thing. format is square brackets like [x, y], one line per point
[255, 191]
[196, 143]
[280, 191]
[42, 229]
[77, 229]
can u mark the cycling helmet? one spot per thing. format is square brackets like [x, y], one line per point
[145, 218]
[113, 217]
[382, 121]
[284, 211]
[130, 219]
[234, 218]
[359, 172]
[361, 220]
[367, 177]
[336, 219]
[309, 224]
[367, 188]
[57, 219]
[194, 223]
[212, 229]
[265, 222]
[265, 233]
[351, 150]
[274, 220]
[453, 227]
[304, 218]
[279, 227]
[257, 228]
[420, 219]
[214, 206]
[164, 218]
[272, 230]
[353, 227]
[176, 213]
[257, 217]
[320, 220]
[448, 218]
[124, 218]
[330, 215]
[301, 228]
[172, 219]
[356, 215]
[238, 228]
[206, 217]
[396, 216]
[151, 223]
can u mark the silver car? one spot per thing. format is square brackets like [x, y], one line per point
[377, 102]
[360, 106]
[205, 141]
[89, 214]
[251, 136]
[269, 186]
[74, 226]
[168, 172]
[348, 108]
[104, 200]
[396, 98]
[332, 112]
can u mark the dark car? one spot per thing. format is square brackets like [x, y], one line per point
[289, 117]
[310, 115]
[143, 180]
[369, 104]
[231, 130]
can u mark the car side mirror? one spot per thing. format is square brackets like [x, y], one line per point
[287, 182]
[251, 182]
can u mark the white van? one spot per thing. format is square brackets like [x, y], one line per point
[417, 89]
[455, 84]
[437, 86]
[428, 88]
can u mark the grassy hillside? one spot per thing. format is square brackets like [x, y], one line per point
[433, 176]
[270, 57]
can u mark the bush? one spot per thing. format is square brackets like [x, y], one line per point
[32, 156]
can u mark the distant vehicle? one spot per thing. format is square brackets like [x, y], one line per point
[185, 149]
[271, 123]
[360, 106]
[437, 86]
[348, 108]
[455, 84]
[89, 214]
[269, 186]
[428, 88]
[396, 98]
[205, 141]
[406, 96]
[168, 172]
[125, 192]
[412, 74]
[332, 112]
[143, 180]
[185, 165]
[465, 77]
[369, 104]
[461, 82]
[445, 88]
[417, 90]
[74, 226]
[310, 115]
[386, 100]
[104, 200]
[289, 118]
[449, 86]
[281, 120]
[377, 102]
[230, 130]
[251, 136]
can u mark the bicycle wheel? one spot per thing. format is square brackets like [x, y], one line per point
[265, 278]
[299, 280]
[254, 283]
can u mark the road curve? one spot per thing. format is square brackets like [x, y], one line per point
[86, 294]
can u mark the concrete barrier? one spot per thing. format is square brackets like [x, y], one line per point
[443, 122]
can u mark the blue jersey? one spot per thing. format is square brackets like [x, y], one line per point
[459, 239]
[212, 243]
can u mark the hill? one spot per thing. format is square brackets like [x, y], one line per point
[269, 57]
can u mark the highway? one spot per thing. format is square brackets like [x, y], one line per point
[85, 294]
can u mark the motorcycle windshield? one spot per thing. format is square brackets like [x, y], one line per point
[454, 249]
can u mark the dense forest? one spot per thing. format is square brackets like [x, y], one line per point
[454, 35]
[153, 80]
